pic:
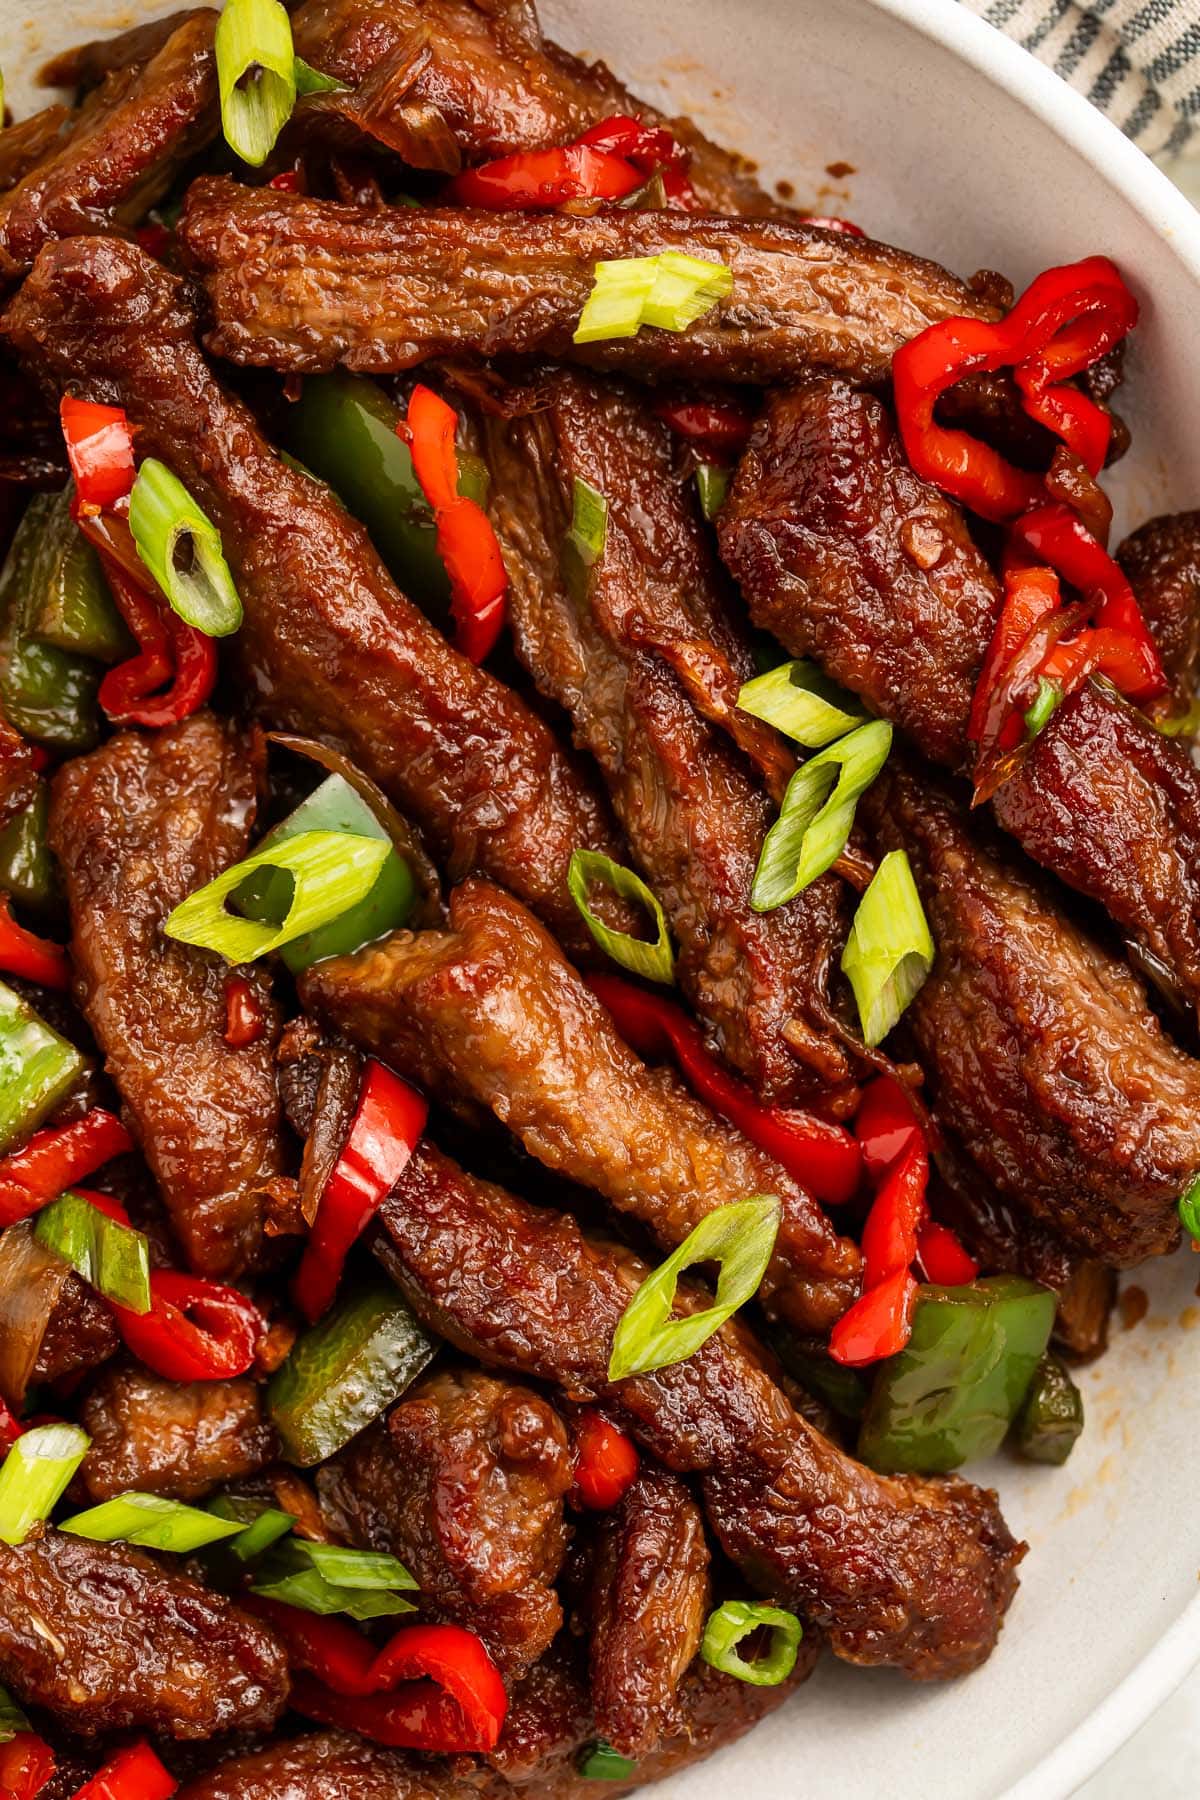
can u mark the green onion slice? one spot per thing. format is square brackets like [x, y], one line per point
[343, 1567]
[797, 699]
[332, 871]
[313, 81]
[112, 1258]
[259, 1525]
[890, 950]
[712, 484]
[655, 960]
[729, 1624]
[35, 1475]
[741, 1237]
[1189, 1209]
[1049, 695]
[256, 75]
[289, 1573]
[685, 288]
[151, 1521]
[12, 1719]
[817, 813]
[589, 522]
[181, 547]
[600, 1762]
[671, 291]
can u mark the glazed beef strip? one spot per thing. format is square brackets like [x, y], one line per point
[106, 1639]
[464, 1482]
[329, 645]
[643, 660]
[137, 826]
[650, 1596]
[31, 141]
[1162, 561]
[328, 1765]
[1040, 1048]
[130, 138]
[915, 1573]
[80, 1333]
[181, 1439]
[301, 285]
[491, 1010]
[85, 65]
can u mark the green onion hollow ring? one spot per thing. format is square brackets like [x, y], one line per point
[600, 1762]
[313, 81]
[653, 960]
[741, 1237]
[729, 1624]
[12, 1719]
[112, 1258]
[817, 813]
[181, 547]
[1189, 1209]
[151, 1521]
[256, 76]
[671, 291]
[797, 699]
[890, 950]
[332, 871]
[35, 1476]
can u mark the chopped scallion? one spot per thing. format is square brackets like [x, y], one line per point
[1189, 1209]
[35, 1476]
[260, 1525]
[890, 950]
[343, 1567]
[712, 484]
[655, 960]
[1049, 696]
[671, 291]
[589, 522]
[797, 699]
[289, 1573]
[685, 288]
[312, 81]
[729, 1624]
[12, 1719]
[331, 870]
[817, 813]
[181, 547]
[600, 1762]
[112, 1258]
[256, 75]
[151, 1521]
[740, 1237]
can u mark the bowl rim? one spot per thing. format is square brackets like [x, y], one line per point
[1173, 218]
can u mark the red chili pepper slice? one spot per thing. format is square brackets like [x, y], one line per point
[55, 1159]
[824, 1157]
[196, 1330]
[99, 450]
[828, 223]
[889, 1239]
[11, 1428]
[383, 1134]
[942, 1257]
[25, 954]
[534, 179]
[1030, 594]
[431, 428]
[606, 1461]
[718, 428]
[879, 1323]
[132, 1774]
[154, 239]
[244, 1021]
[466, 542]
[885, 1125]
[26, 1765]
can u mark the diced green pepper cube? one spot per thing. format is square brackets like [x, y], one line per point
[27, 869]
[1051, 1418]
[37, 1067]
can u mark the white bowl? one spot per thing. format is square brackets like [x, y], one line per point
[966, 149]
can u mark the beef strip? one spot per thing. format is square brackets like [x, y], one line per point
[328, 1765]
[491, 1009]
[85, 65]
[1162, 561]
[137, 825]
[464, 1482]
[31, 141]
[105, 1639]
[649, 1601]
[462, 81]
[130, 137]
[80, 1333]
[302, 285]
[1042, 1052]
[329, 646]
[181, 1439]
[915, 1573]
[642, 662]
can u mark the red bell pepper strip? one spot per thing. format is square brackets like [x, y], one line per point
[824, 1157]
[885, 1125]
[55, 1159]
[10, 1428]
[1030, 594]
[132, 1774]
[99, 450]
[466, 542]
[244, 1022]
[196, 1330]
[169, 650]
[652, 151]
[942, 1257]
[418, 1716]
[828, 223]
[383, 1134]
[606, 1461]
[26, 1765]
[889, 1239]
[533, 179]
[25, 954]
[718, 428]
[879, 1323]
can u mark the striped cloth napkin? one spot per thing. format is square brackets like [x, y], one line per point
[1137, 60]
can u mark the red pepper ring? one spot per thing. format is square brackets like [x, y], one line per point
[431, 426]
[419, 1715]
[196, 1330]
[1030, 593]
[606, 1462]
[31, 957]
[827, 223]
[26, 1765]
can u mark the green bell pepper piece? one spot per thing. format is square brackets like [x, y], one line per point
[343, 429]
[1052, 1416]
[27, 870]
[73, 608]
[46, 693]
[37, 1067]
[345, 1372]
[952, 1394]
[334, 806]
[841, 1389]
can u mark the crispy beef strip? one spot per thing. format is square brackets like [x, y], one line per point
[80, 1333]
[85, 65]
[464, 1482]
[1162, 561]
[137, 825]
[106, 1639]
[1040, 1048]
[492, 1010]
[130, 137]
[327, 1765]
[451, 82]
[649, 1601]
[181, 1439]
[915, 1573]
[642, 661]
[329, 646]
[302, 285]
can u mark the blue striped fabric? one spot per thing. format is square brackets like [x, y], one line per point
[1137, 60]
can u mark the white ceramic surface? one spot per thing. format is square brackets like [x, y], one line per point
[968, 150]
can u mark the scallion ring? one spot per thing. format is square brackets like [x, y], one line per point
[890, 951]
[797, 699]
[181, 547]
[1189, 1209]
[35, 1475]
[347, 1567]
[109, 1256]
[740, 1237]
[817, 814]
[685, 288]
[152, 1522]
[729, 1624]
[289, 1573]
[256, 76]
[653, 960]
[671, 291]
[584, 543]
[600, 1762]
